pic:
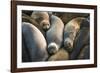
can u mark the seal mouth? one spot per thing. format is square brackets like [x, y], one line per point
[46, 27]
[68, 44]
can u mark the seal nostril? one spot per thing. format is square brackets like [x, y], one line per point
[48, 25]
[68, 44]
[45, 26]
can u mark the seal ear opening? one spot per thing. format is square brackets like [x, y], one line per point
[52, 48]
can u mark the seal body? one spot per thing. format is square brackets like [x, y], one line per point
[34, 43]
[54, 35]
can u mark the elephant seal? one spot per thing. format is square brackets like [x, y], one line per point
[29, 19]
[70, 31]
[54, 35]
[42, 19]
[82, 41]
[34, 43]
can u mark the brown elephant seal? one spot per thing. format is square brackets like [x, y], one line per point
[42, 19]
[70, 31]
[82, 42]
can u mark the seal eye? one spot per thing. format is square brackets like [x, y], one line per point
[44, 24]
[39, 19]
[71, 35]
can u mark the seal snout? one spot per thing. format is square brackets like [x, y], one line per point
[52, 48]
